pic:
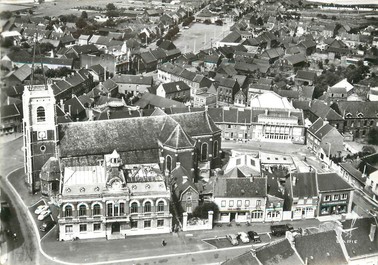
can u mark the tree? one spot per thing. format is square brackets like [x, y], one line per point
[84, 14]
[201, 211]
[111, 6]
[373, 136]
[7, 42]
[45, 47]
[5, 15]
[81, 23]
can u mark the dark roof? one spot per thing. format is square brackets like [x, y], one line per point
[99, 137]
[368, 109]
[179, 139]
[296, 58]
[306, 75]
[320, 109]
[132, 79]
[175, 87]
[279, 252]
[242, 188]
[360, 234]
[354, 172]
[22, 73]
[331, 182]
[177, 175]
[9, 111]
[320, 128]
[303, 185]
[233, 36]
[320, 249]
[244, 259]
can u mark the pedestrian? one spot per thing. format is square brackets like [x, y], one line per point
[163, 243]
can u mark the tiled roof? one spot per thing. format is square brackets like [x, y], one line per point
[303, 185]
[240, 187]
[179, 139]
[320, 248]
[175, 87]
[22, 73]
[278, 253]
[132, 79]
[367, 109]
[354, 172]
[306, 75]
[332, 182]
[320, 109]
[9, 111]
[296, 58]
[244, 259]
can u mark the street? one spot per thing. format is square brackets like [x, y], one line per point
[183, 247]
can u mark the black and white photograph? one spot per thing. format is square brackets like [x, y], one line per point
[189, 132]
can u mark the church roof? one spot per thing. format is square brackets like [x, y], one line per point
[125, 135]
[179, 139]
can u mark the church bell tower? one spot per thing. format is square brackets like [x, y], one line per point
[40, 134]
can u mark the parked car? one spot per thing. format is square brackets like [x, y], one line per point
[254, 236]
[46, 226]
[233, 239]
[243, 237]
[280, 230]
[44, 214]
[41, 208]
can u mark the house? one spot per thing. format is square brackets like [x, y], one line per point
[240, 199]
[319, 109]
[242, 165]
[360, 240]
[148, 101]
[184, 189]
[281, 251]
[339, 92]
[202, 99]
[301, 195]
[226, 90]
[359, 117]
[335, 195]
[352, 175]
[11, 119]
[372, 184]
[273, 54]
[240, 98]
[133, 84]
[275, 201]
[174, 90]
[18, 76]
[323, 248]
[325, 140]
[296, 60]
[123, 209]
[304, 77]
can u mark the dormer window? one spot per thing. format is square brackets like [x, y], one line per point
[360, 115]
[349, 115]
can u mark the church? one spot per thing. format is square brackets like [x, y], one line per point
[113, 177]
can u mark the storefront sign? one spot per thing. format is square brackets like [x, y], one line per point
[334, 203]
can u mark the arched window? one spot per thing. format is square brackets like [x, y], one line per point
[169, 163]
[204, 151]
[96, 209]
[41, 115]
[216, 149]
[160, 206]
[82, 210]
[147, 207]
[68, 211]
[134, 207]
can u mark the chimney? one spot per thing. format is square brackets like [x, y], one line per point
[294, 181]
[105, 73]
[61, 104]
[266, 111]
[178, 164]
[184, 179]
[108, 114]
[206, 108]
[178, 88]
[69, 109]
[86, 66]
[373, 227]
[289, 113]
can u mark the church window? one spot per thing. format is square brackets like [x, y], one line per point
[134, 207]
[169, 163]
[68, 211]
[216, 149]
[96, 209]
[147, 207]
[82, 210]
[41, 115]
[160, 206]
[204, 151]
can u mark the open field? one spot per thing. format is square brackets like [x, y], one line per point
[200, 36]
